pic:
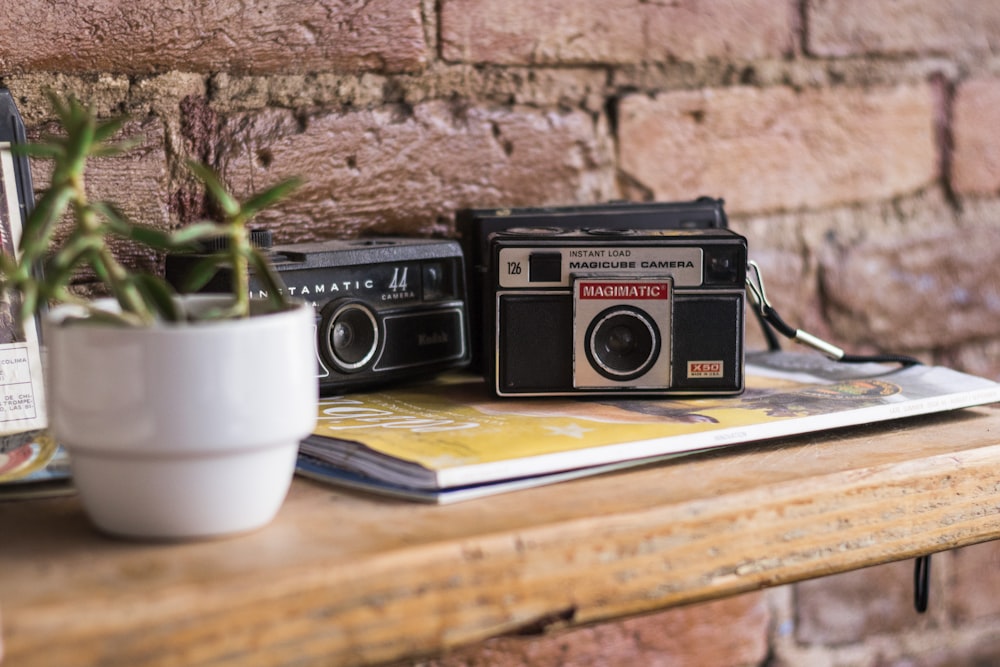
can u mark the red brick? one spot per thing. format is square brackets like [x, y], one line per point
[210, 35]
[851, 27]
[403, 170]
[136, 182]
[775, 148]
[106, 94]
[975, 651]
[701, 29]
[792, 288]
[847, 608]
[980, 358]
[916, 292]
[612, 31]
[972, 594]
[976, 154]
[723, 633]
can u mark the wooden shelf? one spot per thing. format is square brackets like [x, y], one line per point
[344, 578]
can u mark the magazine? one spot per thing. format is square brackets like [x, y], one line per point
[449, 439]
[38, 468]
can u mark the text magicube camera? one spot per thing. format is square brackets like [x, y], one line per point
[616, 312]
[387, 309]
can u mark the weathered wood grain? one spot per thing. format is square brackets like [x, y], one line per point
[341, 578]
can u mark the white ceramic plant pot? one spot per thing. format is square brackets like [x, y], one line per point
[182, 431]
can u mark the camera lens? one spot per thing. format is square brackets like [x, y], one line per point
[351, 335]
[622, 343]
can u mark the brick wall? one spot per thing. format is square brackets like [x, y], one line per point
[855, 143]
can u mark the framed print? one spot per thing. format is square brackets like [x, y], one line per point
[22, 397]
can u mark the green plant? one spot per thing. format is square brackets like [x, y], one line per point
[51, 256]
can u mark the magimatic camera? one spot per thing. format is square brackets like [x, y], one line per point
[476, 225]
[611, 312]
[387, 309]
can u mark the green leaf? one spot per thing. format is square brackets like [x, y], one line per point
[8, 267]
[59, 107]
[215, 188]
[60, 266]
[54, 275]
[42, 223]
[269, 278]
[118, 222]
[47, 150]
[112, 150]
[45, 244]
[201, 273]
[270, 196]
[79, 140]
[158, 294]
[100, 270]
[154, 238]
[109, 128]
[199, 231]
[29, 301]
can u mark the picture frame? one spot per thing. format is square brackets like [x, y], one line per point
[22, 392]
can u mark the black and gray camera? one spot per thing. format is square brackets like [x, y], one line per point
[387, 309]
[599, 311]
[475, 225]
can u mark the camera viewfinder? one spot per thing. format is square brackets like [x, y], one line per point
[545, 267]
[437, 281]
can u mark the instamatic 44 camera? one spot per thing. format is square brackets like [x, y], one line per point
[616, 312]
[387, 309]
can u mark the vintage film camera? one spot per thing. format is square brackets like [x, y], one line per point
[476, 225]
[612, 312]
[387, 309]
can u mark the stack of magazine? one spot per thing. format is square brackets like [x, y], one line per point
[33, 465]
[448, 439]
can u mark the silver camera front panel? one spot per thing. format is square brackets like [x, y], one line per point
[622, 332]
[548, 266]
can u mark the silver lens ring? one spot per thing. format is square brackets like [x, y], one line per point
[351, 336]
[623, 343]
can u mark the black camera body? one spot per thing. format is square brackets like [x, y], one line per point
[476, 225]
[612, 312]
[387, 309]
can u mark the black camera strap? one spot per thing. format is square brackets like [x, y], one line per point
[770, 322]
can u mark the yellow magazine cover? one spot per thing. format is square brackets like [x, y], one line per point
[450, 433]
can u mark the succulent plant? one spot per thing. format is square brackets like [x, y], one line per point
[50, 255]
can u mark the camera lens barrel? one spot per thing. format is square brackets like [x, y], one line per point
[623, 342]
[349, 335]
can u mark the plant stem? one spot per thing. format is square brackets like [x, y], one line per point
[90, 226]
[238, 248]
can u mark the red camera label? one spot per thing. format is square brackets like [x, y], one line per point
[705, 369]
[627, 291]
